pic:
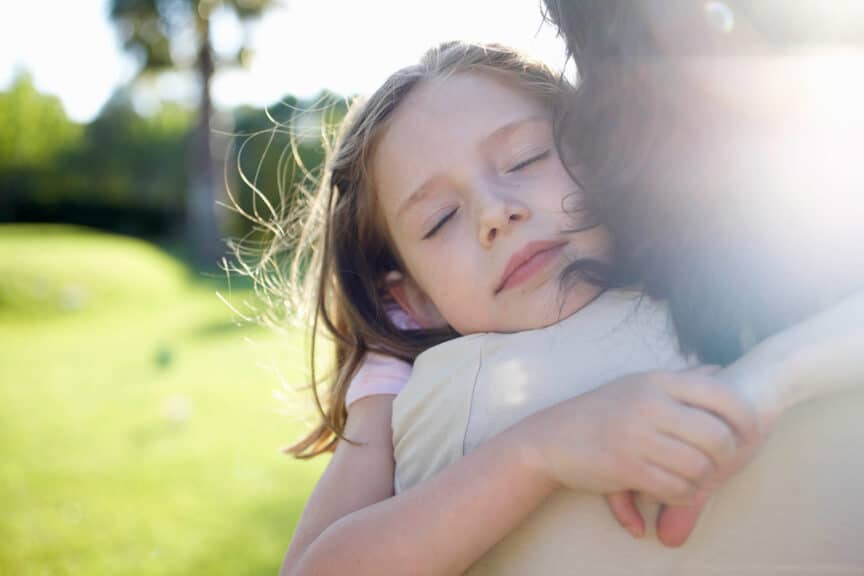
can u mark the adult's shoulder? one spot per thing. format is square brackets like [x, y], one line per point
[431, 413]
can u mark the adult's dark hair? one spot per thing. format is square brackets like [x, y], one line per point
[696, 192]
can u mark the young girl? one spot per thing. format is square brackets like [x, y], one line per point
[446, 197]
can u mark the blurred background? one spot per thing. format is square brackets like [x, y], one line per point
[142, 408]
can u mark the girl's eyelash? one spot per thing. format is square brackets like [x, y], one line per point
[440, 223]
[529, 161]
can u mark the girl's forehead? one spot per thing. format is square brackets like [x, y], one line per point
[482, 87]
[450, 126]
[446, 113]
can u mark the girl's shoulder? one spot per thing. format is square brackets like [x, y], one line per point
[612, 311]
[378, 374]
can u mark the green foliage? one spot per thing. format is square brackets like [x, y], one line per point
[126, 172]
[142, 438]
[35, 128]
[133, 159]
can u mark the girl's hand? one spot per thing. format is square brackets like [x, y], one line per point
[676, 523]
[623, 507]
[664, 434]
[819, 357]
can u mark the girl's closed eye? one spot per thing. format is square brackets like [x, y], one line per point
[438, 225]
[529, 161]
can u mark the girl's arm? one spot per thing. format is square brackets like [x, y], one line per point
[357, 476]
[343, 533]
[664, 443]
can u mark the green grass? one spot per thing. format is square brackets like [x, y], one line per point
[138, 429]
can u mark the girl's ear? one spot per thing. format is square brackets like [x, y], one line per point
[414, 301]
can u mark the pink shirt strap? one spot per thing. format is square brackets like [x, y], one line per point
[379, 374]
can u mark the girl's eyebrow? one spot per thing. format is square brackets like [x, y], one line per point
[419, 194]
[499, 134]
[508, 129]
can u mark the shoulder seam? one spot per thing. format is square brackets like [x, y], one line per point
[471, 401]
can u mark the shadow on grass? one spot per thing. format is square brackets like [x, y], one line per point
[223, 328]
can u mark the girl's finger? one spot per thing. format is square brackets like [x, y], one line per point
[679, 458]
[623, 507]
[712, 396]
[703, 430]
[676, 523]
[665, 486]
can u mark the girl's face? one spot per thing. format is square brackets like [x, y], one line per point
[473, 195]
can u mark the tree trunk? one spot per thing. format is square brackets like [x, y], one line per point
[202, 230]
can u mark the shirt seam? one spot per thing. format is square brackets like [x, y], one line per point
[471, 401]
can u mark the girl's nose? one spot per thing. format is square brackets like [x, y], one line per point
[498, 216]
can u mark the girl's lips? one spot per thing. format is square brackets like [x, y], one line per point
[527, 262]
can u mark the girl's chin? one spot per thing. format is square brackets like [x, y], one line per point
[547, 312]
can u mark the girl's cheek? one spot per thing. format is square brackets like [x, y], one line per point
[464, 235]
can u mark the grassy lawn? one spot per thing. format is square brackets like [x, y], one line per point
[139, 433]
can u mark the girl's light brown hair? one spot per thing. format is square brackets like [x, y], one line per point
[341, 252]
